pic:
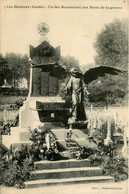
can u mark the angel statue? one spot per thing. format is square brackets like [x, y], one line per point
[77, 87]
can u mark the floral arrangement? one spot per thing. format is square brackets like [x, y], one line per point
[45, 143]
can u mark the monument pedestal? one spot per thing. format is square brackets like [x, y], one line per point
[38, 110]
[46, 112]
[18, 137]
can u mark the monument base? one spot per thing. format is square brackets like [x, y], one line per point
[37, 110]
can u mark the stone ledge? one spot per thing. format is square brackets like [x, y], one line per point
[72, 163]
[50, 182]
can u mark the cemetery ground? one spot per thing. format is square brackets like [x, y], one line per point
[10, 99]
[6, 101]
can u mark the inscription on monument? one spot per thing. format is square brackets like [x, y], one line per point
[36, 83]
[44, 57]
[44, 83]
[53, 86]
[50, 106]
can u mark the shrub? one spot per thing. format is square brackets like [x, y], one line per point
[16, 166]
[111, 163]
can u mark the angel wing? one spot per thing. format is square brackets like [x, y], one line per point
[59, 71]
[100, 71]
[56, 69]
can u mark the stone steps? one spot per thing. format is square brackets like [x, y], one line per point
[61, 164]
[76, 180]
[60, 172]
[65, 173]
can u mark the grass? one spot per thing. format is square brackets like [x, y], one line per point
[6, 101]
[10, 99]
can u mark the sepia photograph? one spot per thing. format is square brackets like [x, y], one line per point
[64, 97]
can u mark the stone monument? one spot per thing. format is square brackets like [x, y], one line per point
[43, 103]
[45, 108]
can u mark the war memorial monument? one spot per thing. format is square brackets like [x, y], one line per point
[45, 110]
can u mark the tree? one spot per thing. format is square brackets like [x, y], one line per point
[4, 71]
[70, 62]
[112, 50]
[18, 65]
[111, 45]
[84, 68]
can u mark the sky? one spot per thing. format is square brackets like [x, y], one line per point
[75, 30]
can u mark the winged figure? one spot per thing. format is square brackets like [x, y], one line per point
[77, 87]
[77, 84]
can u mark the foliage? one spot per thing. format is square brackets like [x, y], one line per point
[5, 73]
[112, 50]
[70, 62]
[6, 129]
[15, 175]
[112, 164]
[13, 67]
[19, 103]
[111, 45]
[18, 65]
[109, 90]
[86, 67]
[16, 164]
[116, 167]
